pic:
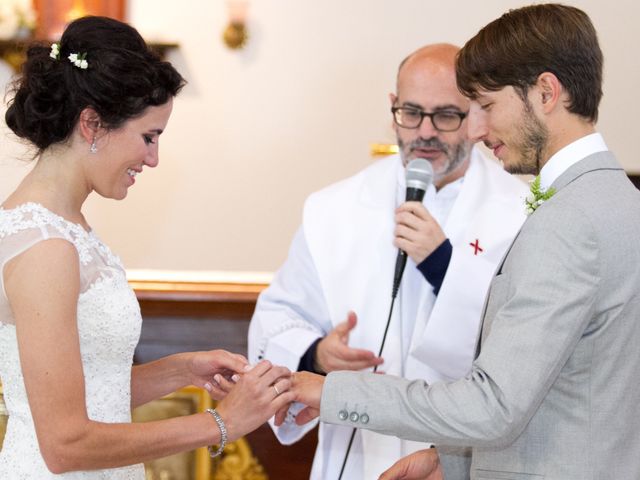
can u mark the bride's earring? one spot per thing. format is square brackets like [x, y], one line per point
[93, 148]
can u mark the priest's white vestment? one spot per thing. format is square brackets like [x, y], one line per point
[342, 258]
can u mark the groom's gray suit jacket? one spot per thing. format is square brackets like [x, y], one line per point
[554, 393]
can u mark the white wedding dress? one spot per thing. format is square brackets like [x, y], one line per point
[109, 324]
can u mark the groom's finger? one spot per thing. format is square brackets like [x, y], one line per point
[306, 415]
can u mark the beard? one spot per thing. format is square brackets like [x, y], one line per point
[455, 154]
[531, 145]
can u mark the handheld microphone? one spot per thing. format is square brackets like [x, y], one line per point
[419, 176]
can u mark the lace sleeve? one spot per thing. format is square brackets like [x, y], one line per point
[24, 226]
[13, 243]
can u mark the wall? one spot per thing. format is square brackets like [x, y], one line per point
[257, 130]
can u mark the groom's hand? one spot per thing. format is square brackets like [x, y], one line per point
[307, 389]
[421, 465]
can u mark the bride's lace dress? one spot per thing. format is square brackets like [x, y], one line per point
[109, 324]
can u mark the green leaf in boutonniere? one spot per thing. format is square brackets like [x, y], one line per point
[537, 196]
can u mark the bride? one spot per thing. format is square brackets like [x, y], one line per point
[94, 106]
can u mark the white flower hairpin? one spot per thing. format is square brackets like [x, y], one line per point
[55, 51]
[78, 59]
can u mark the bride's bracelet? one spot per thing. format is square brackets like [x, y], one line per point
[223, 433]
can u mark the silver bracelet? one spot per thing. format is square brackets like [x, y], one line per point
[223, 433]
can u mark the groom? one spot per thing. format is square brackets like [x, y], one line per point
[553, 393]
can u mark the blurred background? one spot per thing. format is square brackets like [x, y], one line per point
[284, 97]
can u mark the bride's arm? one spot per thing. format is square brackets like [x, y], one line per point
[42, 285]
[160, 377]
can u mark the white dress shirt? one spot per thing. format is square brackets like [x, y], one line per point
[567, 156]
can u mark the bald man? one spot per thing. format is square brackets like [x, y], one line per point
[328, 305]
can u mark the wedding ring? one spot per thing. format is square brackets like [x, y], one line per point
[276, 389]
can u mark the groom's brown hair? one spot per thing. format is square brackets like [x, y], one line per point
[516, 48]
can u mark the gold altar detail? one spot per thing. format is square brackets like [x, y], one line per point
[236, 463]
[382, 149]
[235, 34]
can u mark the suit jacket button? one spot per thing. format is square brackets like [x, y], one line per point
[343, 414]
[354, 416]
[364, 418]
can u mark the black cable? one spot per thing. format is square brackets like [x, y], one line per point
[375, 369]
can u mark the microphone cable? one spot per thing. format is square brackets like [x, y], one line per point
[394, 294]
[419, 176]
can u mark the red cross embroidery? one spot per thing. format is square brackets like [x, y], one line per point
[477, 247]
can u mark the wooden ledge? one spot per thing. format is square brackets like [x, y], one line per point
[198, 286]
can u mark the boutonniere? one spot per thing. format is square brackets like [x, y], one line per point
[537, 196]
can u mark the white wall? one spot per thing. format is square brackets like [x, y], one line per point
[257, 130]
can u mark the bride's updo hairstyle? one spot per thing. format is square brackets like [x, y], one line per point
[120, 79]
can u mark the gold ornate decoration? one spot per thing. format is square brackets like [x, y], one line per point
[383, 149]
[238, 463]
[12, 52]
[235, 36]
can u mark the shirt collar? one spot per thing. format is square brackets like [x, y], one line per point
[567, 156]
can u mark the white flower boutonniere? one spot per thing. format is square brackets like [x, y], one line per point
[537, 196]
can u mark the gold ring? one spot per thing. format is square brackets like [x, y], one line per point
[276, 389]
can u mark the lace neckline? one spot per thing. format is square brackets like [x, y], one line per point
[32, 214]
[31, 206]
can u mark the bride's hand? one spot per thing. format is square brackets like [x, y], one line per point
[222, 385]
[255, 397]
[213, 370]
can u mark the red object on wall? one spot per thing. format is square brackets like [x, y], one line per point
[54, 15]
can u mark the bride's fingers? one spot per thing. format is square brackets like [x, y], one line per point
[223, 383]
[259, 369]
[215, 391]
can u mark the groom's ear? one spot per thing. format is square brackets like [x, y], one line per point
[549, 91]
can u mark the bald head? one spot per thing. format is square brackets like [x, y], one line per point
[439, 56]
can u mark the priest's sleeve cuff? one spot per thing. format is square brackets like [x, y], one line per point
[434, 267]
[307, 360]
